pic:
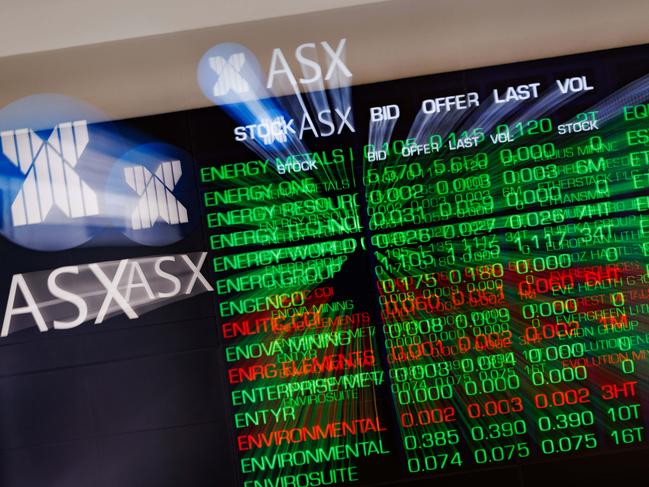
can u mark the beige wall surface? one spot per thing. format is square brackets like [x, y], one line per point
[385, 40]
[42, 25]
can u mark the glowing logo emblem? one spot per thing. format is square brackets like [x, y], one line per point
[156, 195]
[150, 195]
[66, 181]
[51, 179]
[229, 74]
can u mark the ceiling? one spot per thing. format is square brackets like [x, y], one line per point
[41, 25]
[129, 60]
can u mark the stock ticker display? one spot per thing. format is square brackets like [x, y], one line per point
[462, 287]
[428, 280]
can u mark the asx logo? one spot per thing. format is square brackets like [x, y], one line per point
[69, 296]
[64, 192]
[307, 57]
[230, 73]
[156, 195]
[49, 167]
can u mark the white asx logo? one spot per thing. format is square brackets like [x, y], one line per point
[229, 77]
[51, 179]
[156, 195]
[77, 294]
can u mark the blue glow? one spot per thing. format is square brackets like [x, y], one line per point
[63, 183]
[230, 75]
[57, 220]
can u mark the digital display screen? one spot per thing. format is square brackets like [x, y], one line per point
[426, 280]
